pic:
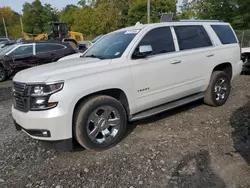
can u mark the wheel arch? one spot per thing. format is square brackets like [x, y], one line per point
[116, 93]
[226, 67]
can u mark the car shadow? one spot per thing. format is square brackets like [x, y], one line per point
[163, 115]
[240, 122]
[132, 125]
[194, 171]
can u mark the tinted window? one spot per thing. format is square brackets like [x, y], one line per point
[40, 48]
[225, 34]
[190, 37]
[160, 39]
[23, 50]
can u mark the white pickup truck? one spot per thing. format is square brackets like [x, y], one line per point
[127, 75]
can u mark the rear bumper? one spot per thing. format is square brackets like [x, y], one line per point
[237, 69]
[58, 145]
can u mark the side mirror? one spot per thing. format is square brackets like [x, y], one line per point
[144, 51]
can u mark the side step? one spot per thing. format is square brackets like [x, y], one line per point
[165, 107]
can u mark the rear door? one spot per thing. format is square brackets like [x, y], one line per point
[47, 53]
[196, 53]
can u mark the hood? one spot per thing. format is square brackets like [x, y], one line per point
[60, 70]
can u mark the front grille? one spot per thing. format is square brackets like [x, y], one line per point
[21, 97]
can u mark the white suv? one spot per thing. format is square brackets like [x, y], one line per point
[129, 74]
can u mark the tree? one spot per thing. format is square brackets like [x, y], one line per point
[68, 14]
[82, 3]
[12, 21]
[36, 16]
[237, 12]
[138, 10]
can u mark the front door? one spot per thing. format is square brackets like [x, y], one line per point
[157, 76]
[22, 57]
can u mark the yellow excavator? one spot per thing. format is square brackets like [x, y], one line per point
[57, 31]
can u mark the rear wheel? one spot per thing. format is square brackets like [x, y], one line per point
[3, 74]
[218, 90]
[100, 122]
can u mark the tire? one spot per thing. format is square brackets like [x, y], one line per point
[218, 90]
[92, 120]
[3, 74]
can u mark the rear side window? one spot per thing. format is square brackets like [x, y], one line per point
[191, 37]
[160, 39]
[225, 34]
[41, 48]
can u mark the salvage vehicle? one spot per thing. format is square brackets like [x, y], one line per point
[127, 75]
[246, 60]
[16, 57]
[3, 39]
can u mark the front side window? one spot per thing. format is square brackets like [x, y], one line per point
[23, 50]
[7, 49]
[191, 37]
[160, 39]
[225, 34]
[112, 45]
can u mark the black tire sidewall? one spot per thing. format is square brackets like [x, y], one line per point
[82, 119]
[5, 74]
[214, 81]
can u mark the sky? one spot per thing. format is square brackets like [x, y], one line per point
[17, 5]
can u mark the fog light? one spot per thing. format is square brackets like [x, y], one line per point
[45, 133]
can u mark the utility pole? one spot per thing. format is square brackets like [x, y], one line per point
[5, 29]
[21, 22]
[148, 11]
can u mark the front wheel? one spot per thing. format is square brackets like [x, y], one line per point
[99, 122]
[218, 90]
[3, 74]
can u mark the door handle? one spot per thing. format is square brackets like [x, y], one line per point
[210, 55]
[175, 62]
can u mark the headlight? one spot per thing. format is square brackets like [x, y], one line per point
[41, 93]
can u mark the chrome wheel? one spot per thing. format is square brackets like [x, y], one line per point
[221, 89]
[103, 124]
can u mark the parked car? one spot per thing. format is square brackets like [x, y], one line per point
[83, 46]
[130, 74]
[246, 59]
[16, 57]
[3, 39]
[6, 43]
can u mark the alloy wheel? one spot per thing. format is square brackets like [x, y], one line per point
[103, 124]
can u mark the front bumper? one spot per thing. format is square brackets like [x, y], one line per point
[53, 127]
[59, 145]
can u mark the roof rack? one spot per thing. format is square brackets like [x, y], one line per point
[201, 20]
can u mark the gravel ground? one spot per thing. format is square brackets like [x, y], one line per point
[195, 146]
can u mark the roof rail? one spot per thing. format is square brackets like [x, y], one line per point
[201, 20]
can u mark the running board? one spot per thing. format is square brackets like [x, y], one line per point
[165, 107]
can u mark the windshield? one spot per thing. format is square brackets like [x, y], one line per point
[112, 45]
[6, 49]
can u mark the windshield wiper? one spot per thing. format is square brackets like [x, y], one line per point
[95, 56]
